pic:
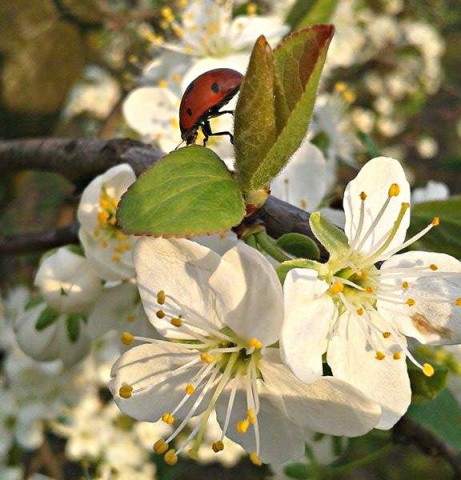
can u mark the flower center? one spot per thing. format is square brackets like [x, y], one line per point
[223, 362]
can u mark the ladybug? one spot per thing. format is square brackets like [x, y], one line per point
[202, 100]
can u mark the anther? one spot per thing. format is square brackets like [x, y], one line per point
[360, 311]
[396, 356]
[251, 417]
[379, 355]
[242, 426]
[160, 314]
[160, 446]
[458, 302]
[206, 357]
[433, 267]
[176, 322]
[394, 190]
[368, 289]
[255, 459]
[336, 288]
[161, 297]
[410, 302]
[435, 221]
[363, 196]
[217, 446]
[125, 391]
[167, 418]
[170, 457]
[428, 369]
[126, 338]
[190, 389]
[162, 83]
[130, 317]
[254, 343]
[405, 285]
[386, 334]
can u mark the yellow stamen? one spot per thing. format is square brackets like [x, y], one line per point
[125, 391]
[363, 196]
[167, 418]
[162, 83]
[368, 289]
[126, 338]
[394, 190]
[360, 311]
[217, 446]
[254, 343]
[255, 459]
[160, 446]
[130, 317]
[206, 357]
[303, 204]
[396, 356]
[433, 267]
[386, 334]
[336, 288]
[428, 370]
[161, 297]
[379, 355]
[410, 302]
[115, 258]
[190, 389]
[160, 314]
[251, 9]
[242, 426]
[436, 221]
[251, 416]
[176, 322]
[170, 457]
[458, 302]
[405, 285]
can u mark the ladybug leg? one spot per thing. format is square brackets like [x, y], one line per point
[207, 132]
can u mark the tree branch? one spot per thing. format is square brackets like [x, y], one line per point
[80, 160]
[408, 431]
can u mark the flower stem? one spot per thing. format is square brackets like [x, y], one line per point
[270, 247]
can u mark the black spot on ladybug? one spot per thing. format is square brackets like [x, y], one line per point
[189, 112]
[189, 88]
[215, 87]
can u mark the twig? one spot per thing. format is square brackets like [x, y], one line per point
[408, 431]
[83, 159]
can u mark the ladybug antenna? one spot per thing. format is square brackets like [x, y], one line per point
[177, 146]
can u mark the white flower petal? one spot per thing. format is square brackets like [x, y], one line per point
[435, 317]
[327, 405]
[248, 294]
[281, 439]
[305, 180]
[374, 179]
[181, 269]
[432, 191]
[308, 316]
[157, 387]
[386, 381]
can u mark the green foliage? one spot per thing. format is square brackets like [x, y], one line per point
[299, 246]
[283, 268]
[189, 192]
[444, 238]
[441, 417]
[329, 235]
[46, 318]
[73, 327]
[425, 388]
[309, 12]
[276, 103]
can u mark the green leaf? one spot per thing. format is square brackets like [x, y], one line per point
[73, 327]
[444, 238]
[46, 318]
[299, 245]
[255, 124]
[300, 471]
[441, 416]
[189, 192]
[329, 235]
[310, 12]
[283, 268]
[425, 388]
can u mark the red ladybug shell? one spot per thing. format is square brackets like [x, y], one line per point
[204, 97]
